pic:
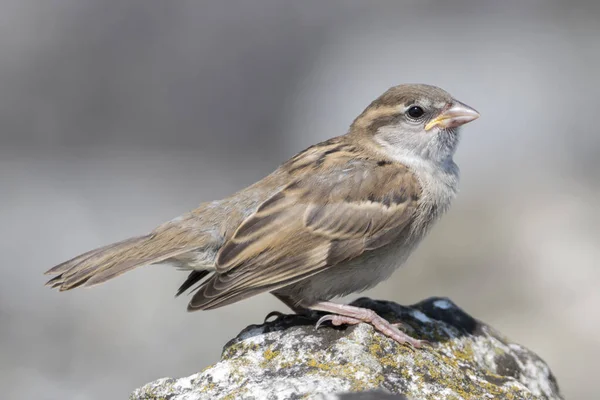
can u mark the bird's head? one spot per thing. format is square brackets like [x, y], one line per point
[414, 121]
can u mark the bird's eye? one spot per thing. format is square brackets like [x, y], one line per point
[415, 112]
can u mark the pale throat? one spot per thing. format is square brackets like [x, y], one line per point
[438, 177]
[407, 147]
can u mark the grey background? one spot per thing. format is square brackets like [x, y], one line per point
[118, 115]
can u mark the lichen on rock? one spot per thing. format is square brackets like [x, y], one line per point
[289, 359]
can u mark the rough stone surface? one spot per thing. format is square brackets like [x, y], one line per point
[289, 359]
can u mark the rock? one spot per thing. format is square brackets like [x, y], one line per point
[289, 359]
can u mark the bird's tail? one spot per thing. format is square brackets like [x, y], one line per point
[99, 265]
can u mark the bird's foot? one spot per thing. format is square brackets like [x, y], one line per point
[351, 315]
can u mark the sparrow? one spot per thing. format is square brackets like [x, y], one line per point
[335, 219]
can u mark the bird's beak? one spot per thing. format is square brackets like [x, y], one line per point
[458, 114]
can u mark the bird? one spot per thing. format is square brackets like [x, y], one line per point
[335, 219]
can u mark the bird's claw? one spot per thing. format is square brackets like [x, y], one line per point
[276, 314]
[323, 319]
[337, 320]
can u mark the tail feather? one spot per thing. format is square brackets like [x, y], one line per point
[99, 265]
[55, 282]
[67, 265]
[121, 268]
[193, 278]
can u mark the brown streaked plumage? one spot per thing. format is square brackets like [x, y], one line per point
[337, 218]
[313, 225]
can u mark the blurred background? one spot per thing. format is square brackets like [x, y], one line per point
[118, 115]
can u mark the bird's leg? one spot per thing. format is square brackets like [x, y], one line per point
[343, 314]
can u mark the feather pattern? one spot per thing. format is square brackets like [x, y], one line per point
[349, 203]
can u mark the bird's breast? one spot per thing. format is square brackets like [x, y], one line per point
[439, 186]
[357, 275]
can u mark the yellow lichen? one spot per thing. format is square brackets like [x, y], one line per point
[270, 354]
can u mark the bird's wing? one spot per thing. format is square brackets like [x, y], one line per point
[335, 208]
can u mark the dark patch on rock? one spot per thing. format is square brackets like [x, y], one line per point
[451, 314]
[506, 365]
